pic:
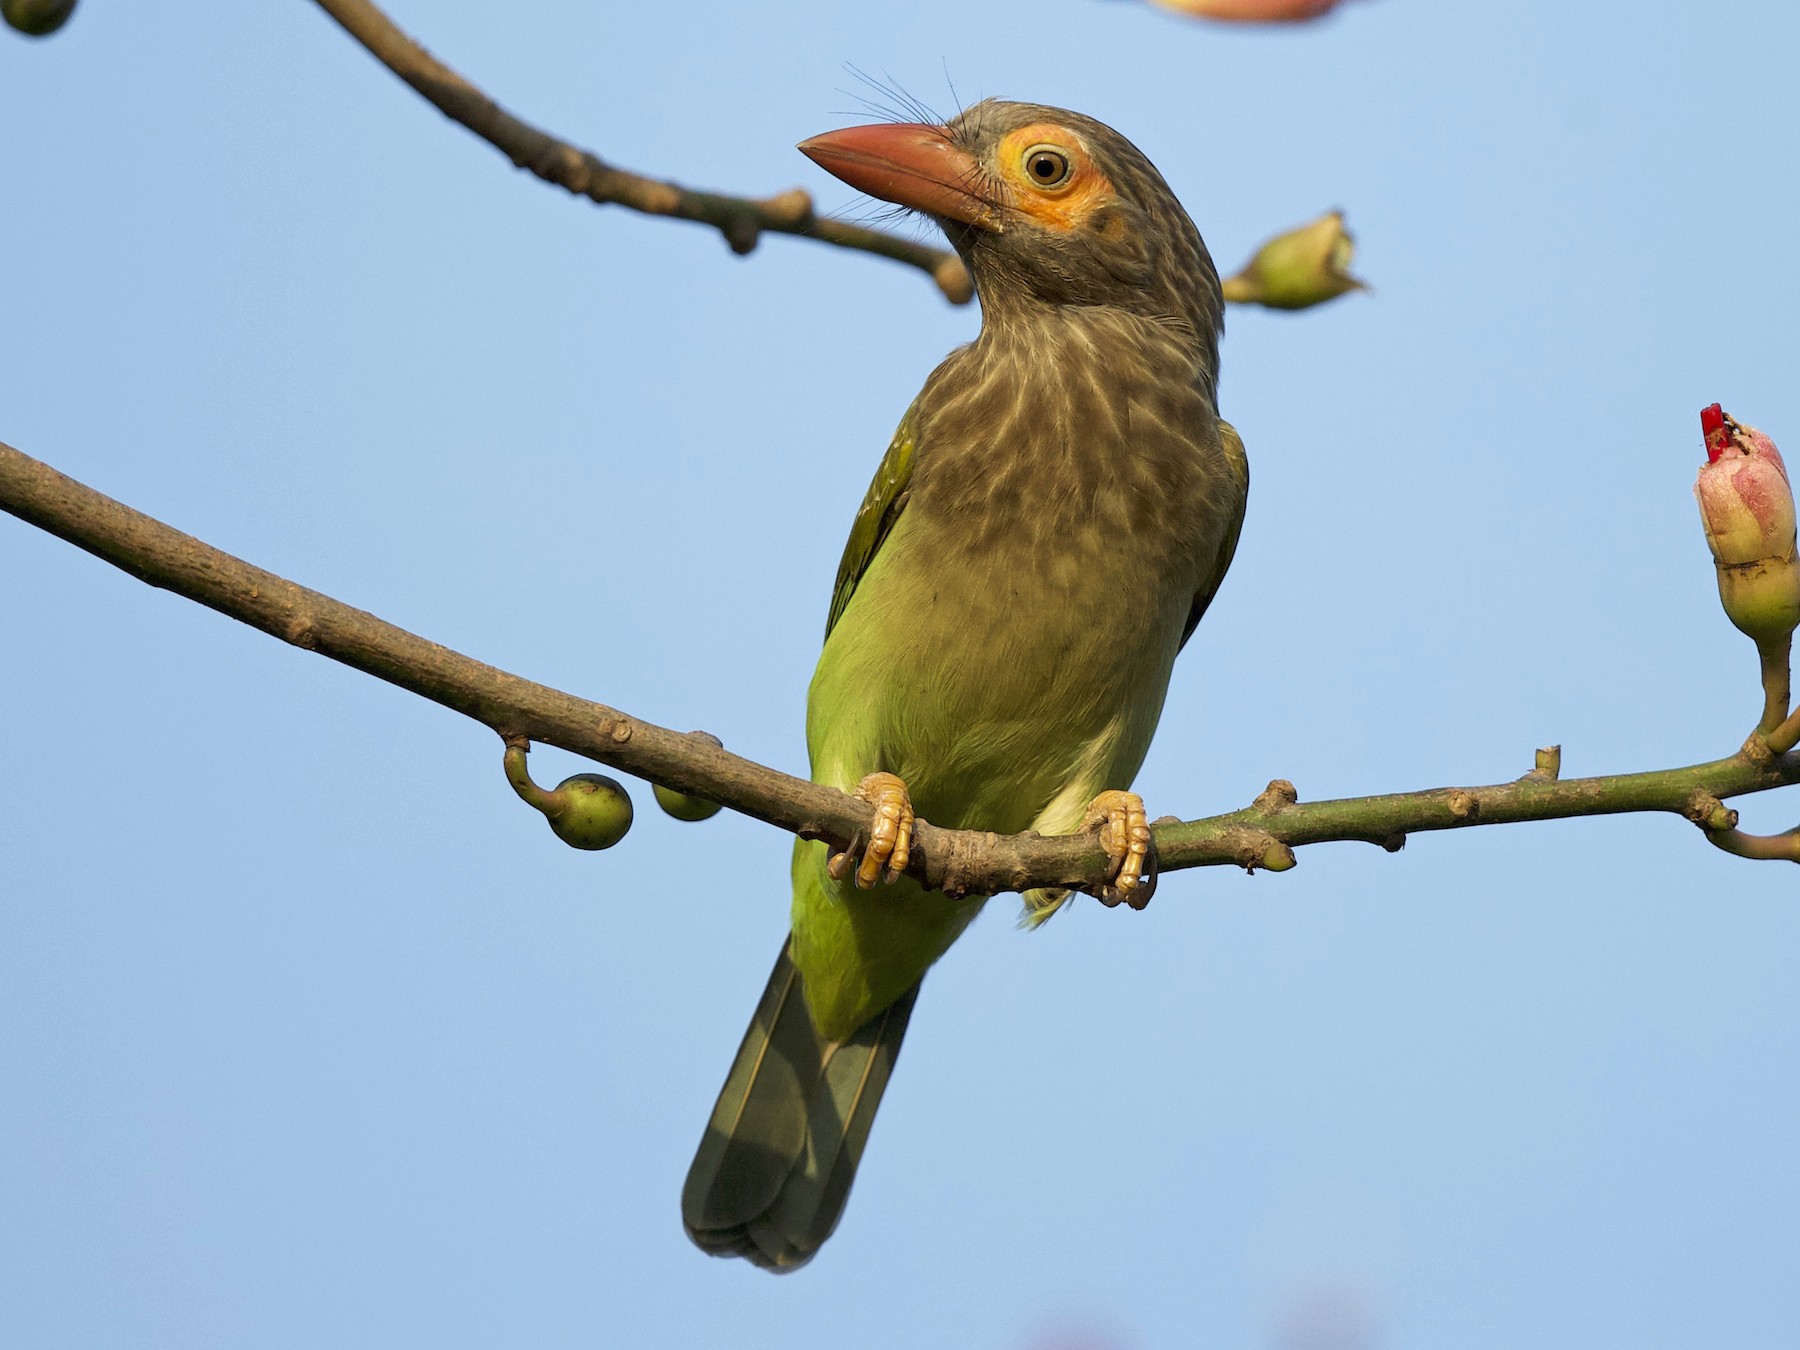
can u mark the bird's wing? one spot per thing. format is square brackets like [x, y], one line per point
[1239, 467]
[881, 507]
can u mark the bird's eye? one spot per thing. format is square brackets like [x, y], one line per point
[1046, 166]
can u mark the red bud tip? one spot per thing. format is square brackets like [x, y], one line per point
[1713, 428]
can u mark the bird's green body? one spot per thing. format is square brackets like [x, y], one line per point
[1007, 649]
[1055, 512]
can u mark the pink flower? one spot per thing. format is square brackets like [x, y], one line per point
[1252, 11]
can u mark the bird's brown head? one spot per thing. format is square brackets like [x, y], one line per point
[1046, 206]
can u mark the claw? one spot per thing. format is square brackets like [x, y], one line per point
[837, 867]
[1124, 830]
[890, 842]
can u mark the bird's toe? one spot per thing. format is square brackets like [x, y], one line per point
[1124, 829]
[889, 845]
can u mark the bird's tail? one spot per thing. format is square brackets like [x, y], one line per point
[781, 1149]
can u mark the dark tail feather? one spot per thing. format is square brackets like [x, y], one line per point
[781, 1149]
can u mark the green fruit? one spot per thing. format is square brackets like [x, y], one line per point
[589, 810]
[37, 18]
[682, 806]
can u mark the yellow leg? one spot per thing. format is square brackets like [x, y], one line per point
[890, 842]
[1125, 835]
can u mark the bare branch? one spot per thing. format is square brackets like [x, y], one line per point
[1263, 835]
[742, 220]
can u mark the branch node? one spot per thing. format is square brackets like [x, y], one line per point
[1392, 843]
[621, 730]
[1275, 798]
[1548, 765]
[791, 210]
[742, 233]
[954, 281]
[1259, 848]
[1709, 813]
[1463, 805]
[1757, 749]
[1278, 857]
[1784, 737]
[652, 197]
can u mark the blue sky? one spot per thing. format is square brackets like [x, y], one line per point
[313, 1035]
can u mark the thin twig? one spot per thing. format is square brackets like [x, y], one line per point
[1783, 847]
[1262, 835]
[1786, 736]
[1772, 656]
[742, 220]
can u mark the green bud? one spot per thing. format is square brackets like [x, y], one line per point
[36, 18]
[1297, 270]
[589, 810]
[682, 806]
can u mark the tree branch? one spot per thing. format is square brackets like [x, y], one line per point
[1263, 834]
[742, 220]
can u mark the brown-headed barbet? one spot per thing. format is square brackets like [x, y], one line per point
[1051, 520]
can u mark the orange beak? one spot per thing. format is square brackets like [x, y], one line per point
[911, 164]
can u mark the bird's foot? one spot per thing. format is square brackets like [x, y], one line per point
[1124, 830]
[890, 842]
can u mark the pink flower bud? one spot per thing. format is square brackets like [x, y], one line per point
[1747, 511]
[1252, 11]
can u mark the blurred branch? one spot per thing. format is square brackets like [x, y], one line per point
[742, 220]
[1263, 834]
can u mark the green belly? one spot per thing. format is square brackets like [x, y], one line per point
[992, 690]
